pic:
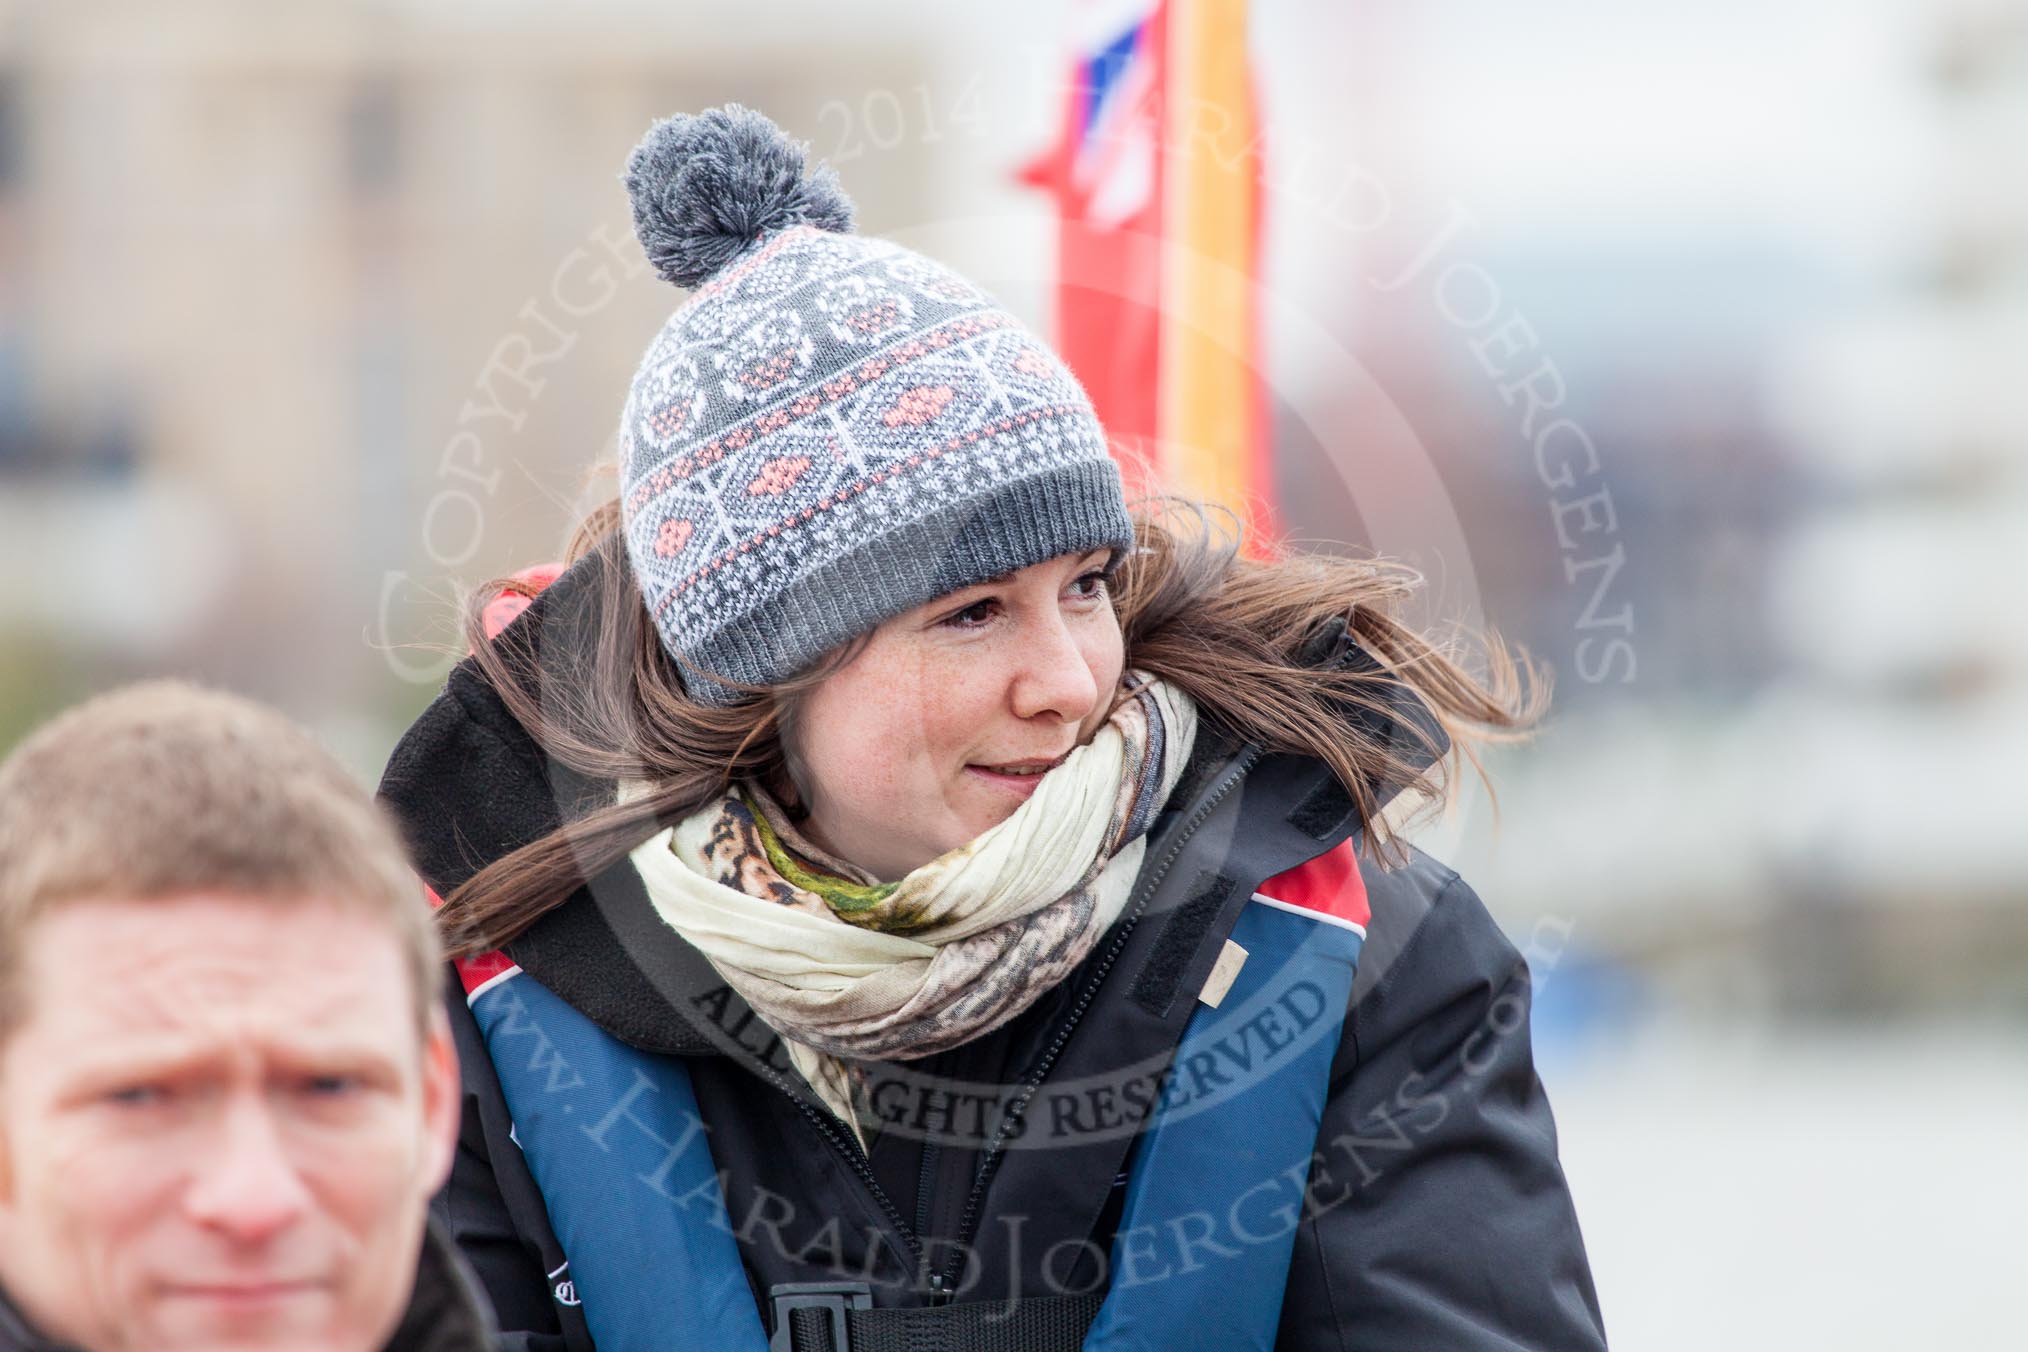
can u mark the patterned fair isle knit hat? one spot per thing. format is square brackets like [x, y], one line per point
[833, 429]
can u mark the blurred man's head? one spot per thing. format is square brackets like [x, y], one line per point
[227, 1090]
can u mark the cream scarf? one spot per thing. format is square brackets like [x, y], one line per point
[956, 948]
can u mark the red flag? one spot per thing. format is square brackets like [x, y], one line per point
[1156, 176]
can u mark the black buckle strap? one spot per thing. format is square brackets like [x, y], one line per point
[838, 1317]
[832, 1298]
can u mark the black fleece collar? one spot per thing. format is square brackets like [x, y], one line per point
[446, 1312]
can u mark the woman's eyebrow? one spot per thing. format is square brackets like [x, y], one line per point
[1001, 579]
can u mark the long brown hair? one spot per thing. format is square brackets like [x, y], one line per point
[1193, 609]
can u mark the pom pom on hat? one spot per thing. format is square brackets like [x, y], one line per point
[817, 444]
[706, 186]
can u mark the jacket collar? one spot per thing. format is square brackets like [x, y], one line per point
[446, 1312]
[469, 785]
[16, 1336]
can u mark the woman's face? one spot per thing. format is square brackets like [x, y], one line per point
[918, 744]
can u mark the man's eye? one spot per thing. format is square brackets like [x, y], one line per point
[138, 1095]
[328, 1086]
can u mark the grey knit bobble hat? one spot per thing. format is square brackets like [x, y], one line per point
[832, 429]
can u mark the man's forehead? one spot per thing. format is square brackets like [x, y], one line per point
[186, 962]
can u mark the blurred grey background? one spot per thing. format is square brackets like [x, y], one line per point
[312, 314]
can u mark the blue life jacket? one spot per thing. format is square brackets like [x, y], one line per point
[1214, 1190]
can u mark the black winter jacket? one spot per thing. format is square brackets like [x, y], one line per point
[1436, 1215]
[445, 1313]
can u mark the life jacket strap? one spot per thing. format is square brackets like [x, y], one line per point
[811, 1318]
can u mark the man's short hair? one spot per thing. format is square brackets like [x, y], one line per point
[165, 789]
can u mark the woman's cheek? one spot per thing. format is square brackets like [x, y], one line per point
[911, 712]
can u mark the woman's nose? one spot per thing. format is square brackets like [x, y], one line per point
[1053, 674]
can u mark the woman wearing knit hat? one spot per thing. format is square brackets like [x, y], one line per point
[907, 898]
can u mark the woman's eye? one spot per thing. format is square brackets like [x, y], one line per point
[977, 613]
[138, 1095]
[1093, 584]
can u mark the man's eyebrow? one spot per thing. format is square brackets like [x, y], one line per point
[88, 1073]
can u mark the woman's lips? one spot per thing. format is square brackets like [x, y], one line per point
[1009, 776]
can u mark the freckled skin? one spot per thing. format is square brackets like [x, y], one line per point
[1022, 669]
[219, 1127]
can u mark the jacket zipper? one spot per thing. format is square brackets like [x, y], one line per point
[846, 1146]
[923, 1185]
[969, 1220]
